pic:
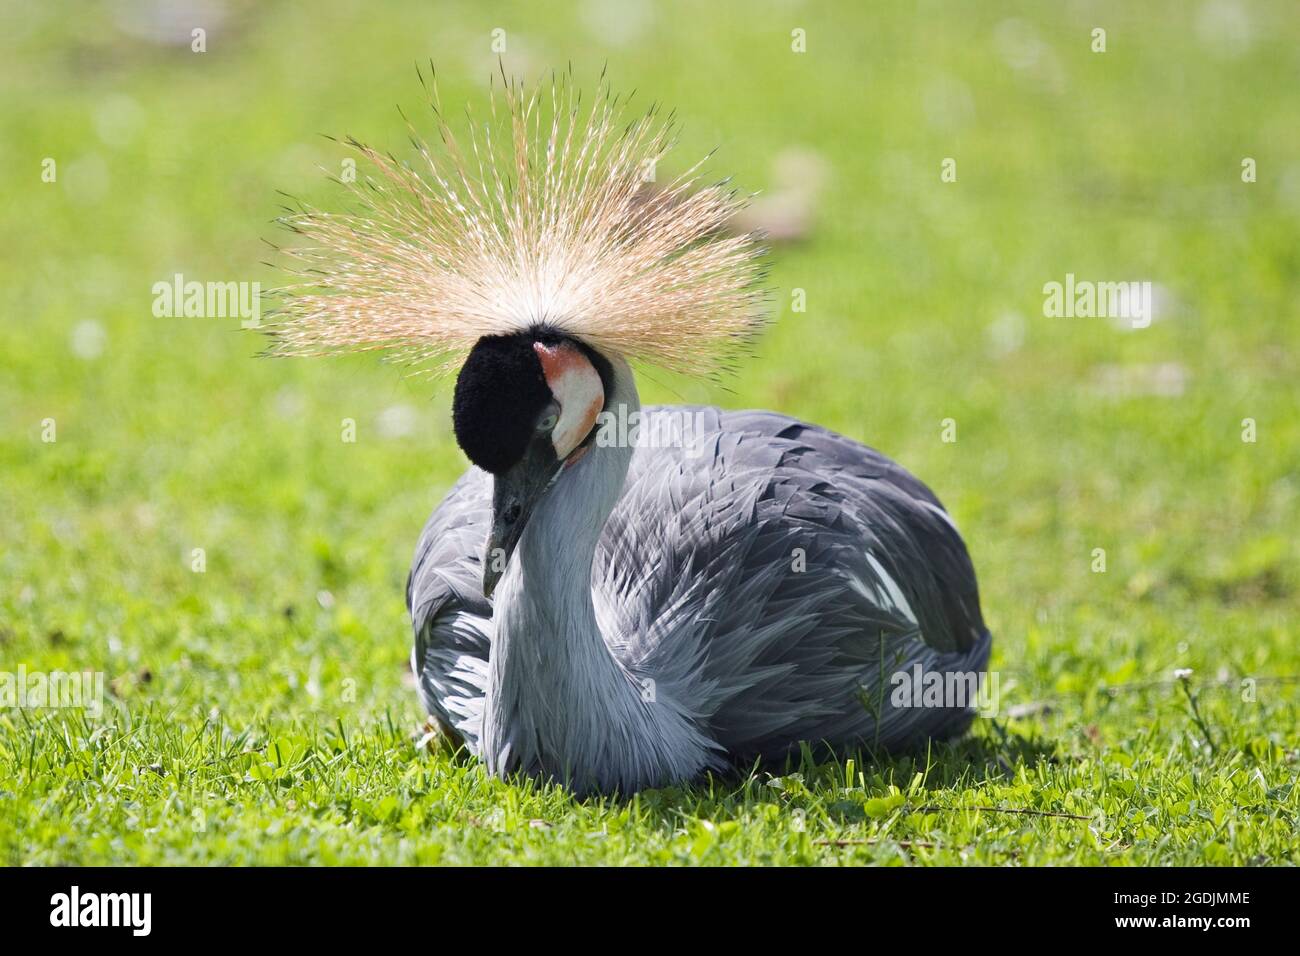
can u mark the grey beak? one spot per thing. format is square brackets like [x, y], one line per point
[515, 494]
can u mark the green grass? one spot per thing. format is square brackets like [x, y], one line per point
[260, 711]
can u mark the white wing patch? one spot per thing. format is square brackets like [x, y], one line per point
[893, 598]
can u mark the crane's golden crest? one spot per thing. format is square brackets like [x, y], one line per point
[548, 218]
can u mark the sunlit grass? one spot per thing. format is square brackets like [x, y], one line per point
[258, 710]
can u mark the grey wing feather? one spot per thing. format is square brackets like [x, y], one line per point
[917, 533]
[783, 572]
[451, 618]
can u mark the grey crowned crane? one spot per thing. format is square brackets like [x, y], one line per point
[615, 597]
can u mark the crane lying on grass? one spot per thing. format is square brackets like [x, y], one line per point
[591, 607]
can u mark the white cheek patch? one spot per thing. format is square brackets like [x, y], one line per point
[576, 385]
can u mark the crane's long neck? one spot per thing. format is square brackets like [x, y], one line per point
[559, 704]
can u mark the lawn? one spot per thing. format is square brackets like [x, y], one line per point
[193, 522]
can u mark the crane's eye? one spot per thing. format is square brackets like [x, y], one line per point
[548, 422]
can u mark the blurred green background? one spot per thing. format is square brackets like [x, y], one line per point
[260, 710]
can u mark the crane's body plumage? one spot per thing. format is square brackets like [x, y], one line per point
[753, 589]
